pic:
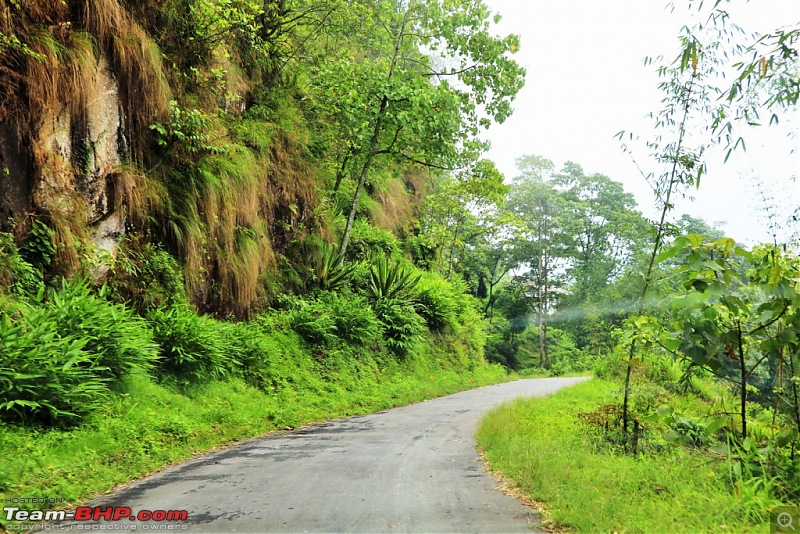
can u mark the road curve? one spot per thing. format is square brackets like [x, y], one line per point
[409, 469]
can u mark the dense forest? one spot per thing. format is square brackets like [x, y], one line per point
[249, 214]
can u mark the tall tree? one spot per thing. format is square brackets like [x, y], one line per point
[540, 208]
[433, 75]
[605, 224]
[461, 211]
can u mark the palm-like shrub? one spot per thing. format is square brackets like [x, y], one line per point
[331, 271]
[390, 280]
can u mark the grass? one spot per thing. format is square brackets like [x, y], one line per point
[147, 426]
[551, 456]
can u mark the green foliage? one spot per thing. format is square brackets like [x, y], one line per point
[543, 446]
[65, 352]
[367, 241]
[45, 377]
[192, 347]
[331, 272]
[437, 303]
[391, 280]
[119, 341]
[312, 321]
[565, 356]
[37, 247]
[146, 277]
[185, 135]
[354, 321]
[403, 327]
[332, 318]
[16, 274]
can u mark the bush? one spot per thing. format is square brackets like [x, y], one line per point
[46, 377]
[118, 341]
[61, 357]
[611, 366]
[254, 350]
[312, 322]
[354, 321]
[334, 317]
[366, 241]
[403, 328]
[437, 303]
[193, 347]
[391, 280]
[16, 274]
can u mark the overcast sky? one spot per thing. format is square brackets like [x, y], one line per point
[586, 81]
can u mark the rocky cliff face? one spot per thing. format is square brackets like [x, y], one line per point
[68, 168]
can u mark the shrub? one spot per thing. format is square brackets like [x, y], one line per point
[118, 341]
[403, 328]
[45, 377]
[354, 321]
[254, 350]
[16, 274]
[37, 248]
[390, 280]
[331, 273]
[366, 241]
[437, 303]
[193, 347]
[312, 322]
[611, 366]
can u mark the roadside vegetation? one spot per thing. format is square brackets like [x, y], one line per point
[269, 173]
[695, 425]
[95, 395]
[566, 453]
[308, 228]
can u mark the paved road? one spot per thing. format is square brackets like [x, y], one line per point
[410, 469]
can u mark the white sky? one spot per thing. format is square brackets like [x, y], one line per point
[586, 81]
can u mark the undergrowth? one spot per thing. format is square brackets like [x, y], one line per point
[555, 450]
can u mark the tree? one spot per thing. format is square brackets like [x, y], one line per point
[606, 229]
[414, 111]
[462, 211]
[768, 80]
[540, 208]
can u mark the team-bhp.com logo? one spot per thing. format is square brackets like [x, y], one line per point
[99, 513]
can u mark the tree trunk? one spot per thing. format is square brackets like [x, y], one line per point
[743, 394]
[794, 390]
[373, 143]
[340, 174]
[542, 281]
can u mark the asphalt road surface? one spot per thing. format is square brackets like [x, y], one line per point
[409, 469]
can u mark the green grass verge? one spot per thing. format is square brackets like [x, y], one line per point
[146, 426]
[544, 449]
